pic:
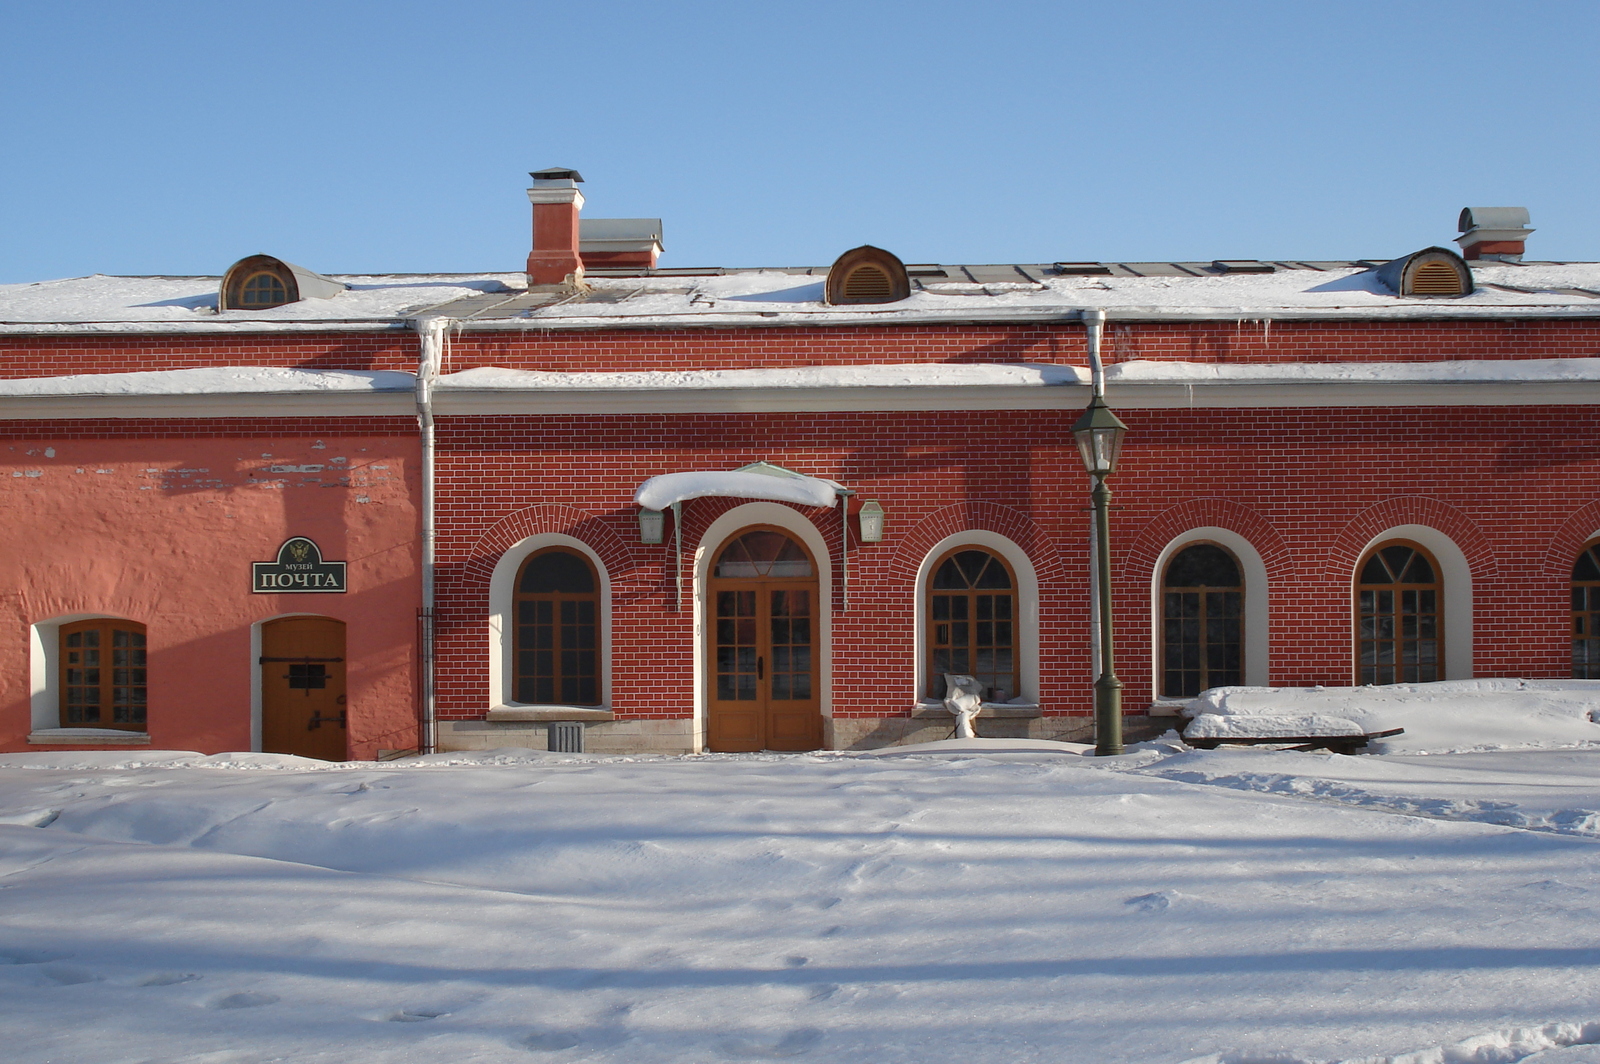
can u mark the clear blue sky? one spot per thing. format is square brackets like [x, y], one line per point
[161, 137]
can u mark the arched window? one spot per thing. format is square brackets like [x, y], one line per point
[1202, 621]
[972, 623]
[1399, 616]
[1586, 614]
[263, 289]
[557, 608]
[103, 674]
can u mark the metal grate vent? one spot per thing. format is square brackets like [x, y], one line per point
[1436, 279]
[566, 737]
[868, 284]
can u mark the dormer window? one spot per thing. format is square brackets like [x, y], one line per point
[1430, 272]
[867, 275]
[261, 282]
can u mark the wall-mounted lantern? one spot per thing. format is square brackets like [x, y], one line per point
[871, 522]
[652, 526]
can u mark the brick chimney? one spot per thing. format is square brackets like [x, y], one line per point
[556, 203]
[1493, 233]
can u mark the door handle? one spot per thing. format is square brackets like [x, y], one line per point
[761, 667]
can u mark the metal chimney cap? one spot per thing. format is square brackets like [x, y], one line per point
[556, 173]
[1492, 218]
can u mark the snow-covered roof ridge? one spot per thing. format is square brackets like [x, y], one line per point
[778, 298]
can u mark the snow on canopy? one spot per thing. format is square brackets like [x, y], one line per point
[660, 492]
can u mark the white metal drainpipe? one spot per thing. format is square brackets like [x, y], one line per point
[1094, 321]
[433, 333]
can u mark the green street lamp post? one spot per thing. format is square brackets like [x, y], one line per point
[1099, 434]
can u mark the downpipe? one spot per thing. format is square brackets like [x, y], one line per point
[434, 334]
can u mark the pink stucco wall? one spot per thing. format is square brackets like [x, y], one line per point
[159, 522]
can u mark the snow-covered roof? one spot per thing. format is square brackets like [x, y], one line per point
[779, 297]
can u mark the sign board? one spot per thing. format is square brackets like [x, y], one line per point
[298, 570]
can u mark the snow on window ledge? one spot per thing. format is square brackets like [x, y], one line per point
[928, 707]
[536, 713]
[87, 737]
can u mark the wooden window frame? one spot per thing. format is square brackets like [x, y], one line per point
[1397, 640]
[134, 672]
[1205, 593]
[558, 649]
[931, 642]
[1584, 619]
[244, 289]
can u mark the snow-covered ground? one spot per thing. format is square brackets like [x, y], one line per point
[963, 901]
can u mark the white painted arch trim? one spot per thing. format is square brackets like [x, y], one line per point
[502, 630]
[1456, 613]
[1027, 607]
[724, 528]
[1257, 633]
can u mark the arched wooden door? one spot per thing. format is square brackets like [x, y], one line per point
[764, 603]
[302, 688]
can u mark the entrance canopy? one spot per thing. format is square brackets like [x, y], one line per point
[758, 480]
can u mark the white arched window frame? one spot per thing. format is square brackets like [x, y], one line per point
[1456, 610]
[1257, 637]
[44, 673]
[1027, 633]
[502, 627]
[720, 531]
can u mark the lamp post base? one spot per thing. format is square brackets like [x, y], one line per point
[1107, 716]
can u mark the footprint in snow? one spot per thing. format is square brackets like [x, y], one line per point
[244, 1000]
[796, 961]
[28, 956]
[793, 1044]
[167, 979]
[67, 975]
[1160, 901]
[416, 1015]
[551, 1041]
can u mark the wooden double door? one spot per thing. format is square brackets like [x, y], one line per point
[763, 605]
[303, 708]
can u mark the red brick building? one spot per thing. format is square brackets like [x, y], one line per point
[680, 509]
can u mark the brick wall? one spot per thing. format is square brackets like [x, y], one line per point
[1309, 488]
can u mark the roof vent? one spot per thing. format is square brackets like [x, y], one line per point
[557, 173]
[1080, 268]
[1243, 266]
[261, 282]
[867, 275]
[1429, 272]
[619, 243]
[1493, 233]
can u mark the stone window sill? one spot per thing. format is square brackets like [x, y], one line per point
[990, 710]
[526, 713]
[87, 737]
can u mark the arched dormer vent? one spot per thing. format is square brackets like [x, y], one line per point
[867, 275]
[261, 282]
[1431, 272]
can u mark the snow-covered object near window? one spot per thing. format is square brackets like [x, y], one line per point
[1450, 715]
[1213, 726]
[964, 699]
[660, 492]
